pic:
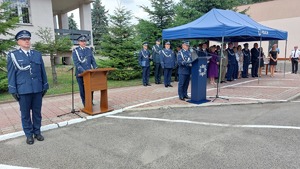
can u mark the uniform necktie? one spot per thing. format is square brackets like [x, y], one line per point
[28, 54]
[294, 54]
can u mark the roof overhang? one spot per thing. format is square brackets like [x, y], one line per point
[65, 6]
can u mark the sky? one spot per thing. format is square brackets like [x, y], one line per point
[132, 5]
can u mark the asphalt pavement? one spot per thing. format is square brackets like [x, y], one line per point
[229, 136]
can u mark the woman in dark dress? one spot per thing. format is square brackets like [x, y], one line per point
[273, 59]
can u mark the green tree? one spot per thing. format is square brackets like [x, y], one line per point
[8, 21]
[72, 22]
[119, 46]
[189, 10]
[51, 46]
[161, 16]
[99, 22]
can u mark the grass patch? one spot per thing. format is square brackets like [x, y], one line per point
[64, 85]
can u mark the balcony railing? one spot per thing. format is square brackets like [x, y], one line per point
[73, 34]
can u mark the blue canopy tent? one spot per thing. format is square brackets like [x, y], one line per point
[225, 26]
[218, 24]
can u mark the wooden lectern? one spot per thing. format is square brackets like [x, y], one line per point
[94, 80]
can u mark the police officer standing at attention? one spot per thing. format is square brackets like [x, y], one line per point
[254, 59]
[144, 61]
[294, 57]
[167, 60]
[246, 62]
[184, 58]
[231, 62]
[156, 60]
[27, 82]
[83, 59]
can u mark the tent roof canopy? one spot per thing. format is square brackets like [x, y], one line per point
[218, 23]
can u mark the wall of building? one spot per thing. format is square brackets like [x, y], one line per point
[278, 14]
[40, 15]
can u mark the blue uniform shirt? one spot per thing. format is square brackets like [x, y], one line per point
[26, 74]
[144, 58]
[184, 58]
[156, 52]
[231, 57]
[246, 54]
[167, 58]
[83, 60]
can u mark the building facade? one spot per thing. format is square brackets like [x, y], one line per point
[36, 14]
[281, 15]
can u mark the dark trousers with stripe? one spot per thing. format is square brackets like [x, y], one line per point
[294, 65]
[183, 84]
[146, 74]
[81, 89]
[167, 76]
[31, 102]
[157, 72]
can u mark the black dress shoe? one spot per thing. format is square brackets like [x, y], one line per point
[187, 97]
[148, 84]
[145, 84]
[170, 86]
[181, 98]
[39, 137]
[30, 140]
[166, 86]
[156, 82]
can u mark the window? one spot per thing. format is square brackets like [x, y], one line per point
[22, 9]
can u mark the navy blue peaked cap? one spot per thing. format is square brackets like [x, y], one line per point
[23, 34]
[145, 43]
[82, 38]
[186, 42]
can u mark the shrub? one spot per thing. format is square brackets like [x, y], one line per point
[123, 70]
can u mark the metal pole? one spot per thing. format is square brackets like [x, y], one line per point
[220, 70]
[259, 59]
[284, 65]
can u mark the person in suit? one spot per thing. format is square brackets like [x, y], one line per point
[254, 59]
[167, 60]
[144, 62]
[83, 59]
[203, 51]
[27, 82]
[156, 60]
[184, 59]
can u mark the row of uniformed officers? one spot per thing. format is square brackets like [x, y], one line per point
[167, 60]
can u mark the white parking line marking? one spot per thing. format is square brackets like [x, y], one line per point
[206, 123]
[2, 166]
